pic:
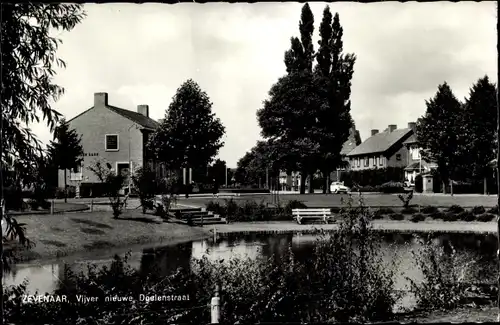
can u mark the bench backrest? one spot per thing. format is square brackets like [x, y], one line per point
[311, 211]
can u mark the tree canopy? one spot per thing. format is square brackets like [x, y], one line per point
[191, 134]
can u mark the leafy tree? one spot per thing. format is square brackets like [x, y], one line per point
[190, 135]
[147, 185]
[478, 128]
[334, 73]
[66, 150]
[217, 171]
[437, 133]
[27, 89]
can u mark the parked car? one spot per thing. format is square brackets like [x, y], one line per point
[339, 187]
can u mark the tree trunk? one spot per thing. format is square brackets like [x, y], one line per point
[485, 186]
[303, 179]
[65, 188]
[444, 187]
[311, 185]
[2, 203]
[325, 182]
[451, 187]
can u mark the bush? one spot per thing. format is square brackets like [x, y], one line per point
[392, 188]
[409, 210]
[493, 210]
[396, 216]
[443, 277]
[450, 216]
[437, 215]
[372, 177]
[417, 217]
[478, 209]
[232, 210]
[429, 209]
[485, 217]
[59, 193]
[147, 186]
[419, 184]
[455, 209]
[216, 208]
[379, 213]
[466, 216]
[33, 204]
[294, 204]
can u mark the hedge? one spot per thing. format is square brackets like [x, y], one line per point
[372, 177]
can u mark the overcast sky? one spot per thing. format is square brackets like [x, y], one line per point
[140, 54]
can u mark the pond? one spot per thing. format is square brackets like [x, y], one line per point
[482, 248]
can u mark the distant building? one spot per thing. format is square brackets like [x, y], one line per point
[384, 149]
[111, 134]
[352, 142]
[415, 165]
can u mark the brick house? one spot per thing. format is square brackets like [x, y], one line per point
[110, 134]
[415, 165]
[381, 150]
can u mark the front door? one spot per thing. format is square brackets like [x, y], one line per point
[123, 169]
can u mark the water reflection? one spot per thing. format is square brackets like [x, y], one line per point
[165, 260]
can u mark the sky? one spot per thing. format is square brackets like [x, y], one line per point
[141, 54]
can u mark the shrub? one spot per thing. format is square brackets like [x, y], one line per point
[216, 208]
[478, 209]
[485, 217]
[455, 209]
[437, 215]
[493, 210]
[392, 187]
[145, 183]
[409, 210]
[113, 184]
[396, 216]
[466, 216]
[429, 209]
[406, 199]
[59, 193]
[417, 217]
[33, 204]
[232, 209]
[379, 213]
[294, 204]
[443, 277]
[419, 184]
[450, 216]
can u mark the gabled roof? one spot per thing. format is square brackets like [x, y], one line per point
[350, 144]
[138, 118]
[411, 139]
[380, 142]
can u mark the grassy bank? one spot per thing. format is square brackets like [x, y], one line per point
[72, 233]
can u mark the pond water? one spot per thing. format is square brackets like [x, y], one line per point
[482, 248]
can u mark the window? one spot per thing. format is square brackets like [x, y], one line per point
[374, 161]
[415, 153]
[398, 156]
[367, 162]
[112, 142]
[359, 161]
[76, 174]
[381, 161]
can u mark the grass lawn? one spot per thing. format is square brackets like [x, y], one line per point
[59, 207]
[63, 234]
[374, 200]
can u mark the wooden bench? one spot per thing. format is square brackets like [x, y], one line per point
[312, 213]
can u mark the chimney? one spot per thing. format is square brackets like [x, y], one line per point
[392, 127]
[374, 131]
[143, 109]
[100, 99]
[412, 125]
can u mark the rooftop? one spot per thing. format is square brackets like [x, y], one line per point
[138, 118]
[380, 142]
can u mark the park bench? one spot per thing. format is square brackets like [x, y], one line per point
[312, 213]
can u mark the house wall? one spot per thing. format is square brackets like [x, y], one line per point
[374, 161]
[398, 161]
[93, 125]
